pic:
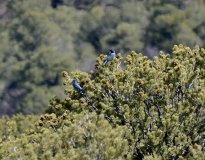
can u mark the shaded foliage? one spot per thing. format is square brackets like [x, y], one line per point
[149, 109]
[38, 41]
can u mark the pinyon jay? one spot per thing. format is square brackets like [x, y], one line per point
[111, 56]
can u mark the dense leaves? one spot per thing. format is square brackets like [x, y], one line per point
[160, 101]
[39, 39]
[83, 136]
[144, 109]
[151, 109]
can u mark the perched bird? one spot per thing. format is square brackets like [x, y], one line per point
[78, 88]
[110, 57]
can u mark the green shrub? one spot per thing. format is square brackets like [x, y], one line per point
[85, 136]
[161, 101]
[144, 109]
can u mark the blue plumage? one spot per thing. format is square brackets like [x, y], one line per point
[77, 87]
[111, 56]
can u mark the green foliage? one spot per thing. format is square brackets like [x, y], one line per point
[115, 26]
[176, 22]
[11, 128]
[38, 41]
[160, 101]
[147, 109]
[83, 136]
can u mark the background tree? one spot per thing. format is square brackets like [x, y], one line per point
[125, 115]
[39, 47]
[38, 41]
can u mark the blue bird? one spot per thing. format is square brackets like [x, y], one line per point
[110, 57]
[77, 87]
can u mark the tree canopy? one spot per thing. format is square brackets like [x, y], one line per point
[146, 109]
[39, 39]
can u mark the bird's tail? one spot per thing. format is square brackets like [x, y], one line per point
[83, 93]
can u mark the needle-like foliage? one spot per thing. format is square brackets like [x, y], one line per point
[144, 109]
[160, 101]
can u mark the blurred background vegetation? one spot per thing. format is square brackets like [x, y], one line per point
[39, 39]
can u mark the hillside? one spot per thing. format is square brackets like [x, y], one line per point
[39, 39]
